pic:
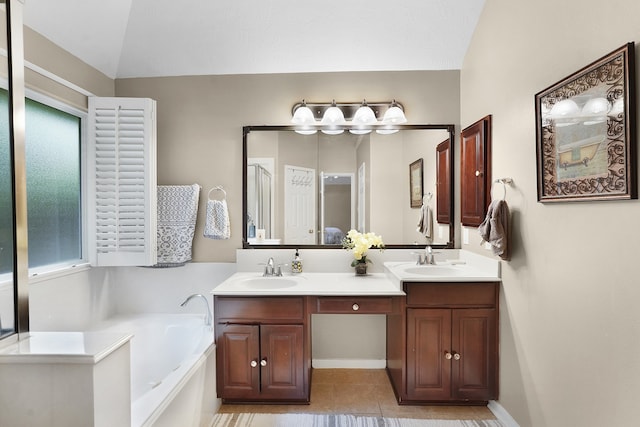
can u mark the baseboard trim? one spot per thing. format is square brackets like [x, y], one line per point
[349, 363]
[501, 414]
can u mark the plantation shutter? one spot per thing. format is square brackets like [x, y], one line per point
[122, 183]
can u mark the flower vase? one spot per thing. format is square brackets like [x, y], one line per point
[361, 269]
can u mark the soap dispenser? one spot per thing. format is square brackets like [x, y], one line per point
[296, 264]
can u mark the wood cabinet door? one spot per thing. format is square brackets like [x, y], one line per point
[443, 182]
[475, 172]
[281, 361]
[428, 344]
[475, 354]
[238, 353]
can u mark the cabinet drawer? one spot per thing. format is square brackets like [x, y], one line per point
[451, 294]
[355, 305]
[262, 309]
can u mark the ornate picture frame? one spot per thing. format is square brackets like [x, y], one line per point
[416, 177]
[585, 132]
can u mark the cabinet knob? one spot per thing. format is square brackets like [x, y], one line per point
[263, 362]
[447, 355]
[254, 363]
[456, 356]
[478, 173]
[355, 307]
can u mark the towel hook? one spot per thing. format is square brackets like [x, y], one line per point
[217, 188]
[427, 198]
[504, 182]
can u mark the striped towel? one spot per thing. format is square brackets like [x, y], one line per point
[177, 213]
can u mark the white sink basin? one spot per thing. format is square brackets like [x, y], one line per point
[267, 283]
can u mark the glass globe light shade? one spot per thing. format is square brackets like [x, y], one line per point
[564, 108]
[394, 116]
[364, 116]
[303, 116]
[595, 111]
[564, 112]
[333, 116]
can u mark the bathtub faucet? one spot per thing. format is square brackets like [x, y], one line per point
[206, 302]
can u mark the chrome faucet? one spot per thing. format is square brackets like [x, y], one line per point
[271, 269]
[209, 317]
[429, 258]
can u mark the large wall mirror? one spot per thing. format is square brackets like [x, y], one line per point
[310, 190]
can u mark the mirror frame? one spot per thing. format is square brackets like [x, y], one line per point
[246, 130]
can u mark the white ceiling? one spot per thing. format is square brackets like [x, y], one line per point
[145, 38]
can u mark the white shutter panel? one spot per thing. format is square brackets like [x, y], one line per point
[122, 184]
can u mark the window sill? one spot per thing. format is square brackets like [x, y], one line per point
[47, 273]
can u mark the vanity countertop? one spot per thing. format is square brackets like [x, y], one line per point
[390, 270]
[329, 284]
[468, 267]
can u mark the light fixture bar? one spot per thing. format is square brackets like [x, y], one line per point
[348, 108]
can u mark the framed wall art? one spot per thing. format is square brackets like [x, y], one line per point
[585, 132]
[416, 175]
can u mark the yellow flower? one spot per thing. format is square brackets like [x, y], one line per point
[359, 243]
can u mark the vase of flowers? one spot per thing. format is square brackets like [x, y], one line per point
[359, 244]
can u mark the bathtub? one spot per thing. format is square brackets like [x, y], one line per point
[172, 368]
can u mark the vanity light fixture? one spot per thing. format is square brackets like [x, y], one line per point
[360, 118]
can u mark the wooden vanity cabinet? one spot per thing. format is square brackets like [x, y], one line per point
[262, 349]
[450, 352]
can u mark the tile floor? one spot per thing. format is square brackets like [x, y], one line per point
[365, 392]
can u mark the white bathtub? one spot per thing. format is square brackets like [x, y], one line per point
[172, 368]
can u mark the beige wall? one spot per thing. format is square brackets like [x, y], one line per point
[200, 121]
[569, 318]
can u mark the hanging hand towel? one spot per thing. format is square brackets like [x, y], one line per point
[217, 225]
[495, 228]
[425, 224]
[177, 213]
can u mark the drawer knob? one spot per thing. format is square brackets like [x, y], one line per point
[456, 356]
[355, 307]
[447, 355]
[254, 363]
[263, 362]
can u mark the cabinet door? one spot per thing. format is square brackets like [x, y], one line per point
[475, 354]
[443, 182]
[238, 351]
[428, 354]
[282, 361]
[475, 171]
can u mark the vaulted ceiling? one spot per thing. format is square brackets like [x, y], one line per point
[146, 38]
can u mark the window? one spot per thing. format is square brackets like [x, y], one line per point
[54, 177]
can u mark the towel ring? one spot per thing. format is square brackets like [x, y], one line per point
[217, 188]
[504, 182]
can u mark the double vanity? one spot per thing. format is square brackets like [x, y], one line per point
[441, 328]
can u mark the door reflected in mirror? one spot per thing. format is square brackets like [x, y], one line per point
[310, 190]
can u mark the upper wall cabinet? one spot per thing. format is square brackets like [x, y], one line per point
[443, 182]
[475, 172]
